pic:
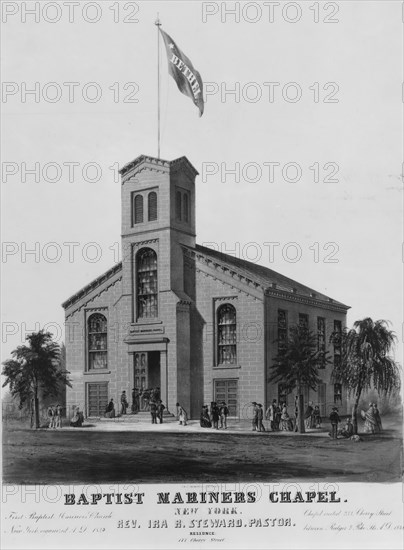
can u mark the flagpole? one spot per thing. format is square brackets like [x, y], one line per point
[158, 24]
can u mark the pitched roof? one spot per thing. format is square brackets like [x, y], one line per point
[93, 285]
[262, 275]
[267, 277]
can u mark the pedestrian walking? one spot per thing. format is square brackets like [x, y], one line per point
[224, 412]
[160, 410]
[255, 416]
[308, 416]
[260, 417]
[124, 403]
[51, 416]
[215, 414]
[335, 420]
[153, 412]
[296, 429]
[316, 417]
[135, 400]
[58, 416]
[182, 415]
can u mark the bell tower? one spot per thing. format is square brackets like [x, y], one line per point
[158, 202]
[158, 219]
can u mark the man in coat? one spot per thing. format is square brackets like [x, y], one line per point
[335, 420]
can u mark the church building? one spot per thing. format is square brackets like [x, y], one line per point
[196, 324]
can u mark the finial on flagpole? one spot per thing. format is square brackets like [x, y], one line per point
[157, 21]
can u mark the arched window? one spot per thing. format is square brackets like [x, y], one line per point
[97, 341]
[178, 204]
[146, 274]
[226, 335]
[138, 209]
[152, 206]
[186, 208]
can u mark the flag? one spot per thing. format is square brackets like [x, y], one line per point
[188, 79]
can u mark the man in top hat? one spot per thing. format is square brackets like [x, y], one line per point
[335, 420]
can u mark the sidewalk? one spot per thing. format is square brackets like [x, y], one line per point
[171, 425]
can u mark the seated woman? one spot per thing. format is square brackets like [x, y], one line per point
[347, 430]
[77, 418]
[110, 410]
[205, 418]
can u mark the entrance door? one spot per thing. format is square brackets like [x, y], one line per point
[227, 390]
[147, 377]
[97, 398]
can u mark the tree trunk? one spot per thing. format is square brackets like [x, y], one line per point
[300, 419]
[355, 411]
[36, 408]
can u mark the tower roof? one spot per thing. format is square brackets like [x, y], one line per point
[154, 162]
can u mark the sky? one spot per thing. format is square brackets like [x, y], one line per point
[300, 144]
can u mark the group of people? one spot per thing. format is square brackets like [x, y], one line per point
[143, 398]
[154, 405]
[258, 417]
[312, 416]
[54, 414]
[156, 411]
[280, 420]
[218, 412]
[373, 421]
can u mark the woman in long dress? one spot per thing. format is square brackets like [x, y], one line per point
[182, 416]
[379, 426]
[205, 419]
[370, 420]
[286, 422]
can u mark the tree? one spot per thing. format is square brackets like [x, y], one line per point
[365, 360]
[296, 364]
[35, 370]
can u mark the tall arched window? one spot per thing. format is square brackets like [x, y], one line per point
[146, 278]
[97, 341]
[138, 209]
[152, 206]
[226, 335]
[178, 205]
[186, 208]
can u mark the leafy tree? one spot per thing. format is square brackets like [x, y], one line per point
[296, 365]
[365, 360]
[35, 370]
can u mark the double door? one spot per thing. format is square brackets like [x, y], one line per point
[146, 377]
[227, 391]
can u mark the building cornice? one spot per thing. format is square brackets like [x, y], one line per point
[311, 301]
[233, 272]
[84, 304]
